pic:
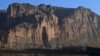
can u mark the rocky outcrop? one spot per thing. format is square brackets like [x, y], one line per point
[46, 26]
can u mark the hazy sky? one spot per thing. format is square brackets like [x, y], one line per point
[94, 5]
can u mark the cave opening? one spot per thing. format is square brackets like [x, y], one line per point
[45, 38]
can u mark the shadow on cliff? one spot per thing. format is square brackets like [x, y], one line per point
[63, 13]
[45, 38]
[3, 19]
[24, 19]
[3, 26]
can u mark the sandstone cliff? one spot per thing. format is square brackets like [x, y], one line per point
[45, 26]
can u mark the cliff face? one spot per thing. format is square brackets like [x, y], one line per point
[46, 26]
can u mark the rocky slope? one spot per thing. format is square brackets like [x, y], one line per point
[45, 26]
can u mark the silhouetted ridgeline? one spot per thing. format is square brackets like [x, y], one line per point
[25, 26]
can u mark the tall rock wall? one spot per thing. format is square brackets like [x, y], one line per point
[46, 26]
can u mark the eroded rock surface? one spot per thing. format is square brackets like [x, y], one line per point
[64, 27]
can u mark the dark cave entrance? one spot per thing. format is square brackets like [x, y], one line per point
[45, 38]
